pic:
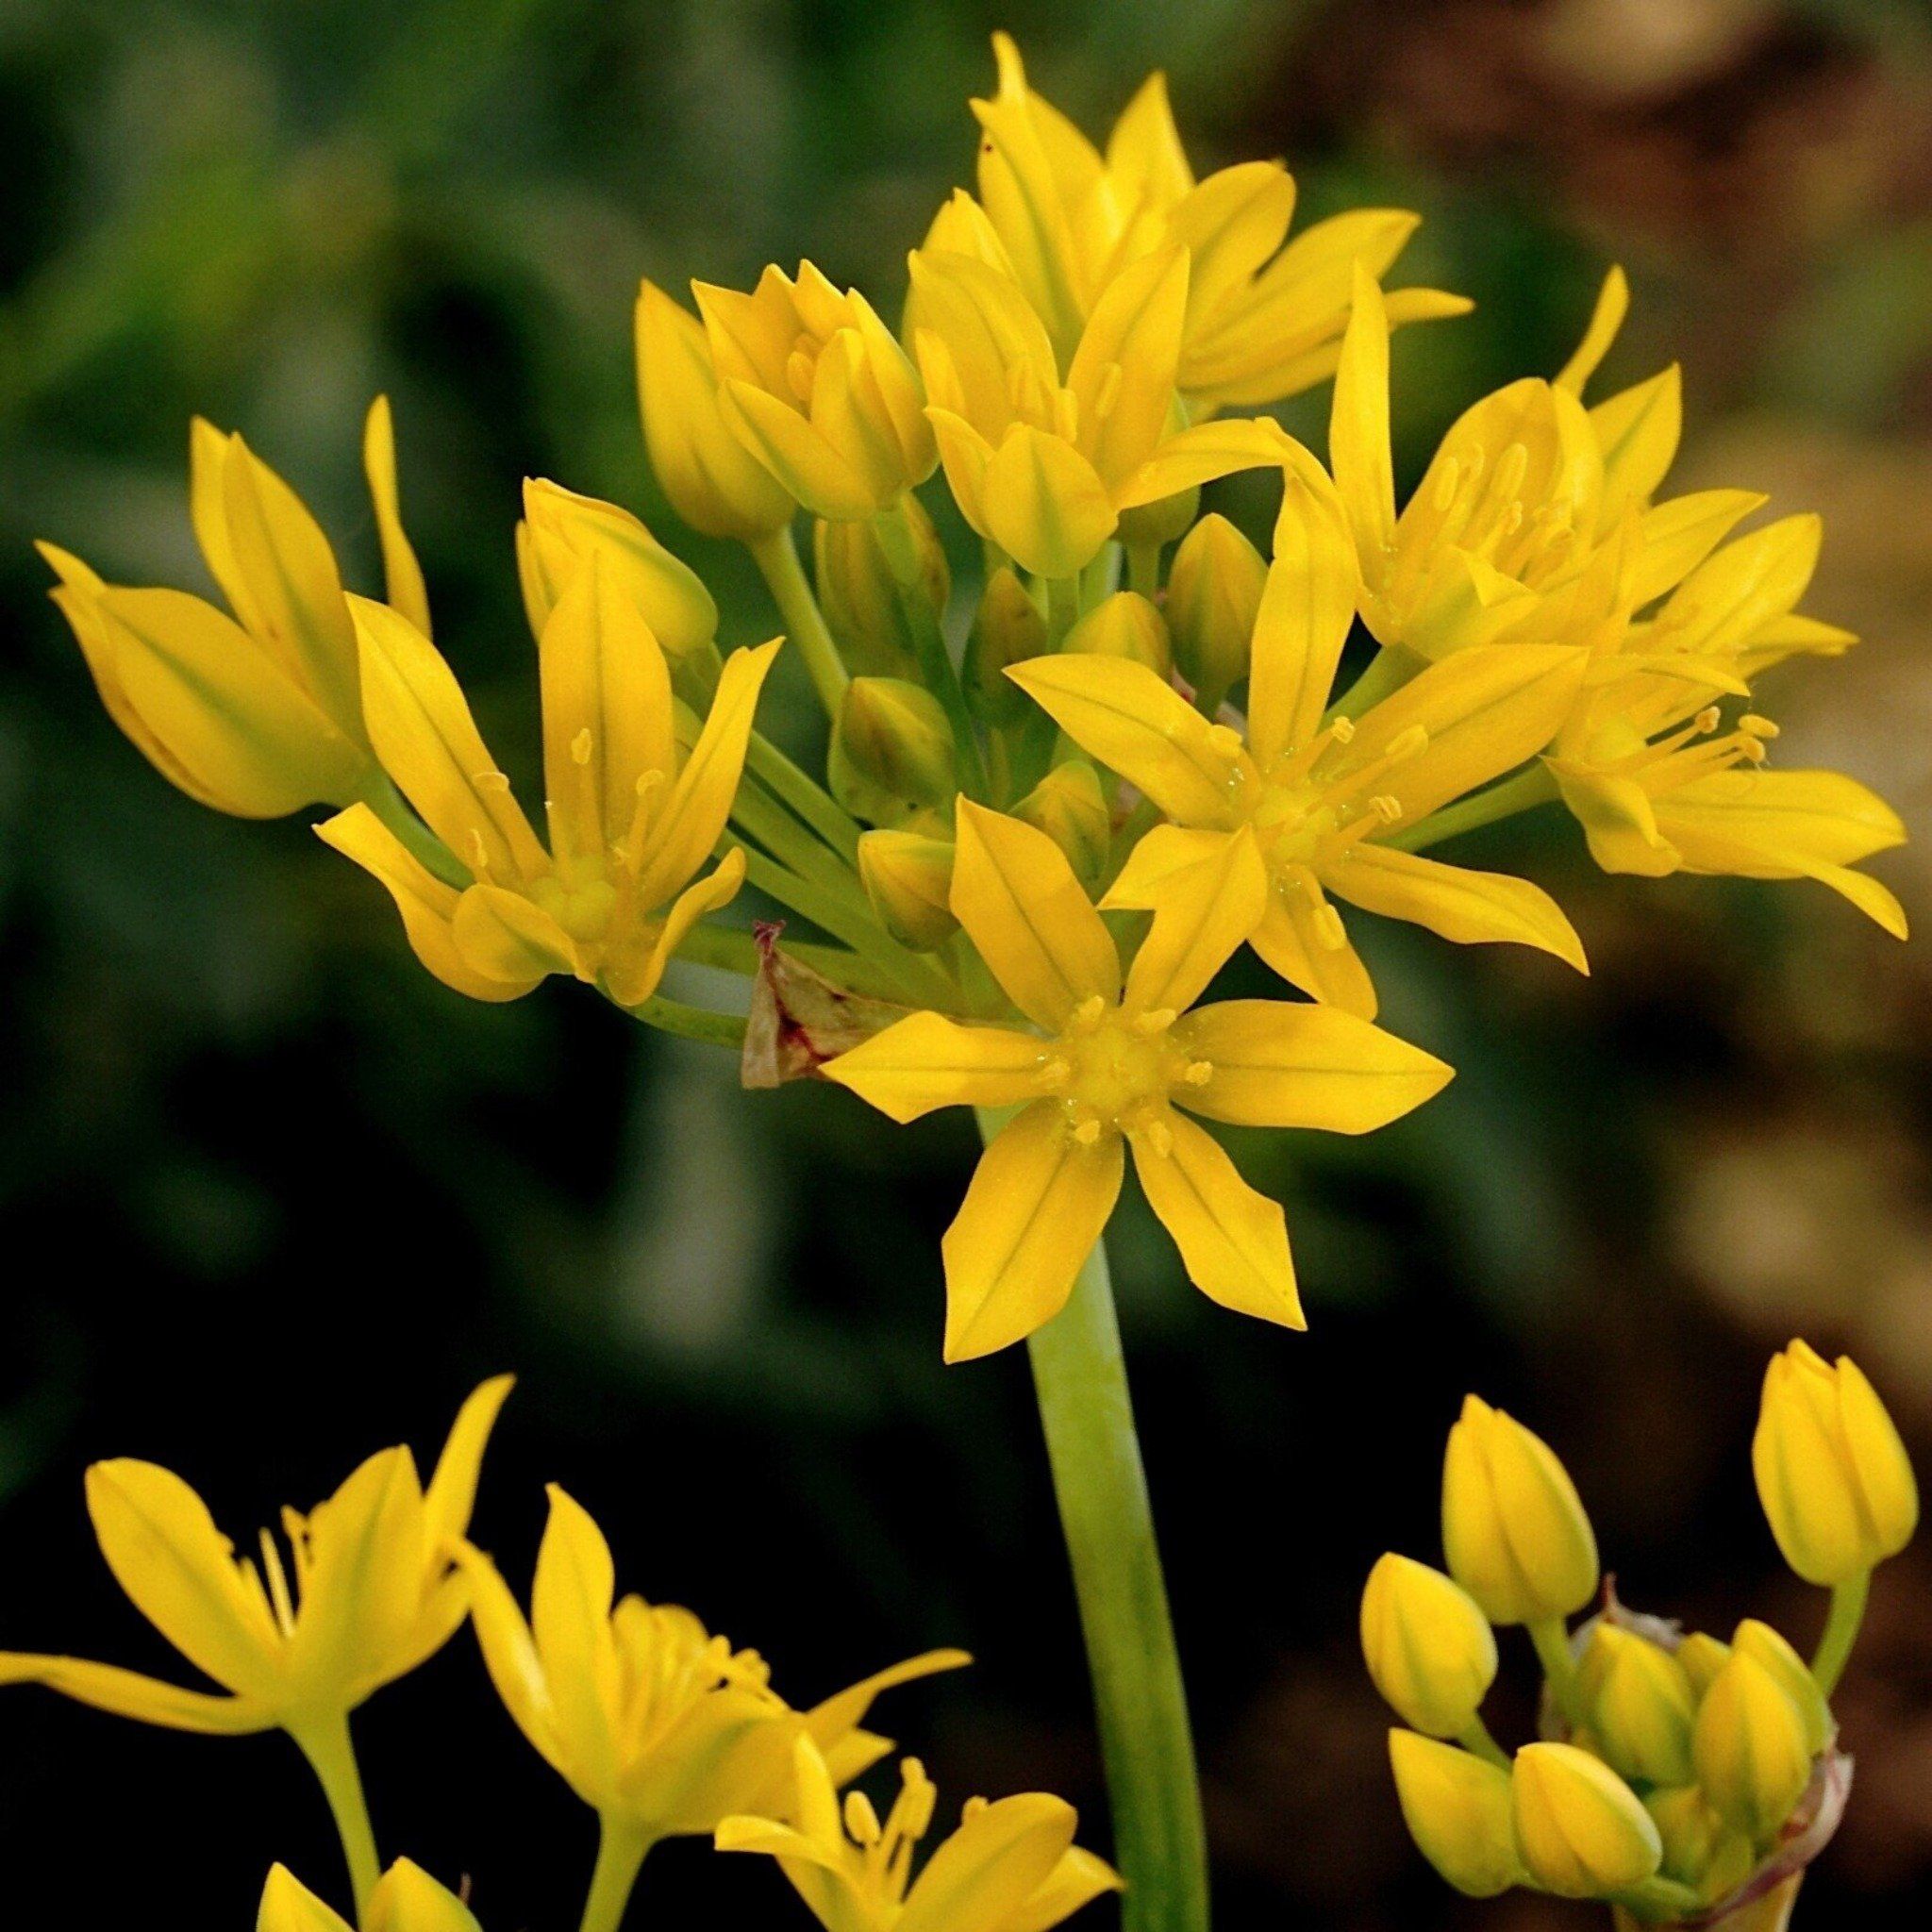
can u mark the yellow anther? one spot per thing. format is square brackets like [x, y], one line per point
[1091, 1010]
[479, 854]
[1160, 1136]
[862, 1821]
[1155, 1020]
[1330, 930]
[1752, 726]
[1343, 729]
[971, 1810]
[580, 747]
[1198, 1072]
[493, 781]
[1087, 1132]
[1056, 1073]
[1707, 719]
[1385, 807]
[1226, 739]
[1447, 482]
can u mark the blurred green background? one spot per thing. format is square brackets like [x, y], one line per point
[274, 1198]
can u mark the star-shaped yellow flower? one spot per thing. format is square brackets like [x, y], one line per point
[1110, 1058]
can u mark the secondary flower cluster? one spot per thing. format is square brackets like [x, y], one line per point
[1035, 843]
[661, 1727]
[1684, 1779]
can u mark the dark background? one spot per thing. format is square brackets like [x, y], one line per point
[275, 1199]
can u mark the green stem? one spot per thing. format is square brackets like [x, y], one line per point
[1840, 1630]
[620, 1848]
[732, 949]
[690, 1022]
[1529, 788]
[804, 794]
[1660, 1899]
[1081, 1382]
[776, 557]
[1552, 1640]
[389, 805]
[793, 845]
[1144, 569]
[1475, 1736]
[1389, 669]
[915, 979]
[331, 1756]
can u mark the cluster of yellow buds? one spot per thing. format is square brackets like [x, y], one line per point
[1684, 1779]
[662, 1729]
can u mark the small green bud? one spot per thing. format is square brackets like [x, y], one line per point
[895, 734]
[1457, 1808]
[908, 879]
[1750, 1748]
[1069, 806]
[1125, 626]
[1213, 597]
[1007, 628]
[1580, 1830]
[860, 598]
[1640, 1706]
[1430, 1651]
[1755, 1639]
[1160, 522]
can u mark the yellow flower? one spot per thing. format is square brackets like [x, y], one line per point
[1753, 1755]
[1011, 1866]
[633, 815]
[1429, 1649]
[1581, 1830]
[816, 388]
[1112, 1059]
[1638, 1704]
[260, 714]
[1316, 797]
[406, 1899]
[712, 481]
[1043, 468]
[1263, 321]
[371, 1590]
[661, 1727]
[1457, 1809]
[1514, 1526]
[1832, 1473]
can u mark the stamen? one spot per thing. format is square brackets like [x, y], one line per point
[1056, 1073]
[581, 747]
[1091, 1010]
[1160, 1136]
[1448, 482]
[1754, 726]
[1226, 739]
[1155, 1020]
[632, 850]
[1198, 1072]
[1088, 1132]
[277, 1585]
[862, 1821]
[492, 781]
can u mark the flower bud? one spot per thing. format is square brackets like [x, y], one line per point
[1427, 1647]
[1125, 626]
[1700, 1849]
[1760, 1641]
[560, 528]
[1213, 597]
[860, 598]
[908, 879]
[1007, 628]
[895, 734]
[1752, 1756]
[1513, 1527]
[1457, 1808]
[1161, 521]
[1832, 1476]
[1580, 1830]
[1640, 1703]
[1703, 1657]
[1071, 808]
[709, 477]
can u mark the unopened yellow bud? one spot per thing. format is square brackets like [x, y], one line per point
[1751, 1754]
[1703, 1657]
[1161, 521]
[1514, 1526]
[1125, 626]
[1430, 1651]
[1069, 806]
[1213, 596]
[1639, 1706]
[894, 734]
[1457, 1808]
[860, 599]
[1700, 1849]
[908, 879]
[1832, 1476]
[1760, 1641]
[1580, 1830]
[1007, 628]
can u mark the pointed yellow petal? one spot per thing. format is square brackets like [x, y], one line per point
[1637, 431]
[799, 455]
[1199, 921]
[1676, 536]
[1470, 907]
[1150, 871]
[1747, 585]
[1230, 224]
[966, 456]
[402, 574]
[927, 1061]
[1044, 504]
[1288, 939]
[1078, 1880]
[407, 1899]
[1145, 155]
[289, 1905]
[839, 1715]
[208, 509]
[1612, 305]
[1038, 1201]
[452, 1492]
[1200, 455]
[1828, 815]
[149, 1701]
[1122, 376]
[1358, 449]
[502, 936]
[982, 1876]
[570, 1624]
[510, 1655]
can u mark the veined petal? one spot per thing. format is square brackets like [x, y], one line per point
[1618, 820]
[1121, 375]
[570, 1625]
[1826, 815]
[1016, 896]
[966, 456]
[1274, 1063]
[926, 1061]
[1044, 504]
[841, 1714]
[1288, 939]
[1136, 723]
[208, 507]
[1145, 155]
[1231, 223]
[1157, 856]
[631, 981]
[973, 329]
[1676, 536]
[1745, 857]
[1076, 1880]
[987, 1871]
[1038, 1201]
[1637, 431]
[799, 455]
[1017, 188]
[1199, 455]
[500, 934]
[1201, 918]
[402, 574]
[1233, 1241]
[1470, 907]
[1359, 448]
[147, 1699]
[848, 408]
[452, 1492]
[1748, 584]
[510, 1655]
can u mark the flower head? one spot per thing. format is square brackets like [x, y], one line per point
[406, 1899]
[1429, 1649]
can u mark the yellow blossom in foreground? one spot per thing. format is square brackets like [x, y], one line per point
[371, 1590]
[659, 1727]
[1316, 798]
[1113, 1059]
[633, 815]
[1263, 321]
[1011, 1866]
[406, 1899]
[1582, 1832]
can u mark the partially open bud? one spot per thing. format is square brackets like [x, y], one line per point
[908, 879]
[1703, 1657]
[1751, 1754]
[1125, 626]
[1430, 1651]
[1639, 1706]
[1580, 1830]
[1700, 1849]
[1832, 1476]
[1160, 522]
[895, 736]
[1007, 628]
[1213, 597]
[1069, 806]
[1457, 1808]
[1760, 1641]
[860, 599]
[1513, 1527]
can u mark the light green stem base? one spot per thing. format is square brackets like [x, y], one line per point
[1552, 1640]
[1527, 788]
[620, 1848]
[1840, 1631]
[332, 1757]
[776, 557]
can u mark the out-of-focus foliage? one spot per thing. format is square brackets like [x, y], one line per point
[259, 1170]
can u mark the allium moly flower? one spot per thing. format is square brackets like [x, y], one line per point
[370, 1589]
[633, 813]
[1316, 799]
[659, 1726]
[1011, 1866]
[1105, 1060]
[406, 1899]
[258, 713]
[1262, 321]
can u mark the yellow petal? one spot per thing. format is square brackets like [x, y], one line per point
[841, 1714]
[1276, 1064]
[208, 507]
[452, 1492]
[966, 456]
[1825, 814]
[1748, 584]
[1121, 375]
[631, 982]
[1018, 189]
[570, 1625]
[1033, 923]
[927, 1061]
[1038, 1201]
[1158, 856]
[1196, 456]
[1044, 504]
[500, 934]
[407, 1899]
[1470, 907]
[1230, 224]
[149, 1701]
[1199, 921]
[1358, 449]
[1678, 536]
[1076, 1880]
[1233, 1241]
[510, 1655]
[289, 1905]
[990, 1867]
[1612, 305]
[1288, 940]
[402, 574]
[799, 456]
[1637, 431]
